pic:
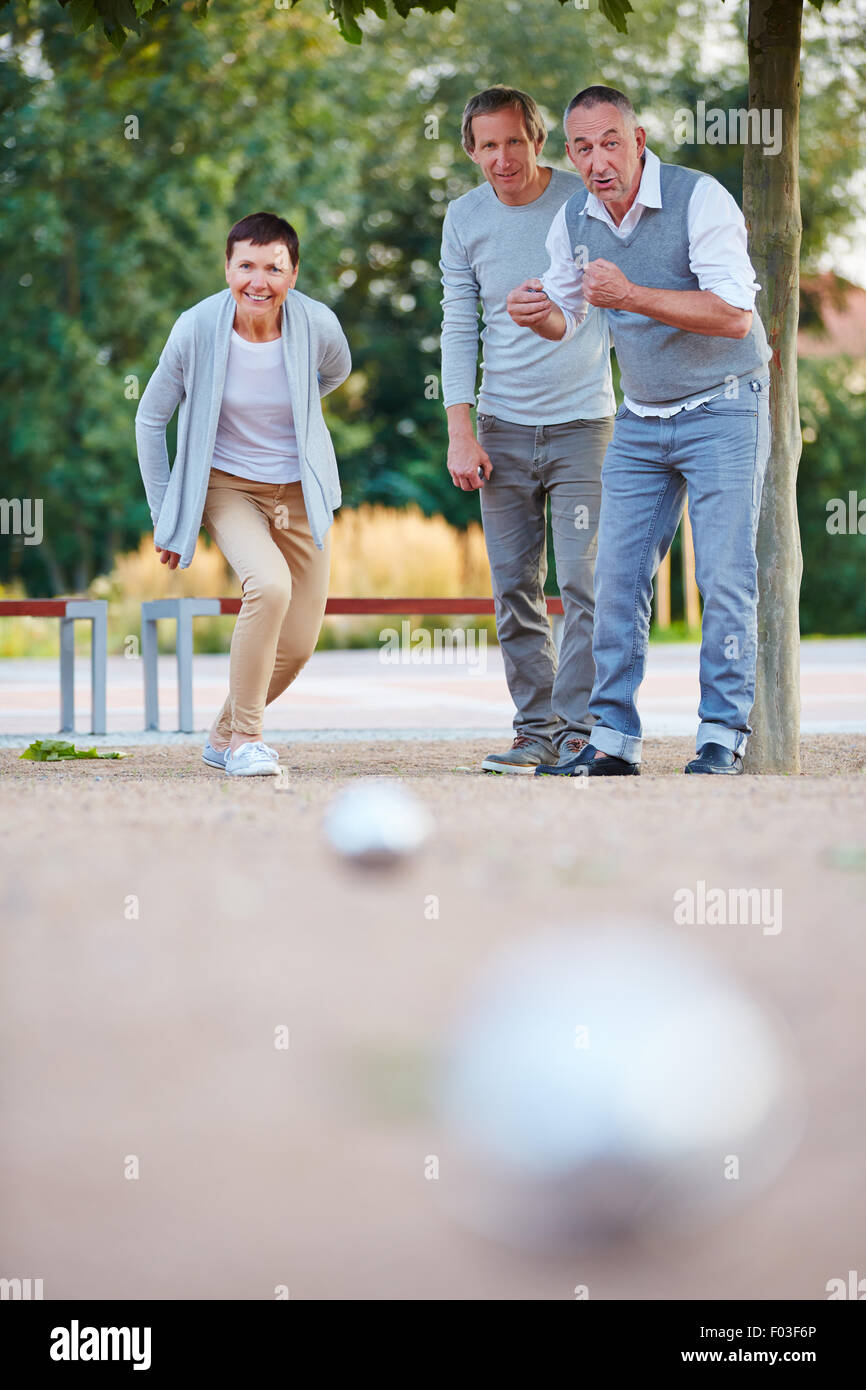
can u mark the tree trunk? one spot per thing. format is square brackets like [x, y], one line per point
[771, 200]
[55, 574]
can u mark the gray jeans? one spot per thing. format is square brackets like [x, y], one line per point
[532, 463]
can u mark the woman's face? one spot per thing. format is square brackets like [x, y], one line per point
[260, 277]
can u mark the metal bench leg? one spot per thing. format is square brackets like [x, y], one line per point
[67, 675]
[184, 666]
[98, 670]
[149, 660]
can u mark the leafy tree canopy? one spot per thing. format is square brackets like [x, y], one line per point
[119, 18]
[122, 173]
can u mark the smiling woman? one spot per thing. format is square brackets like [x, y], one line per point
[255, 465]
[256, 436]
[260, 276]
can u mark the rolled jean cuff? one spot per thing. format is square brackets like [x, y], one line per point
[734, 739]
[625, 746]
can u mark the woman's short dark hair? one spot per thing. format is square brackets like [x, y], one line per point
[261, 228]
[498, 98]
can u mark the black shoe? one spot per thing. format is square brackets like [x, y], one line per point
[714, 758]
[591, 762]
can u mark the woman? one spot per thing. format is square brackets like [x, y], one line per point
[254, 464]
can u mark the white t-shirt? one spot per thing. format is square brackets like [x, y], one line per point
[256, 432]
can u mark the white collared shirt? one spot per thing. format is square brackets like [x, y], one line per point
[718, 255]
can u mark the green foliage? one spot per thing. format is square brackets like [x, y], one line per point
[833, 416]
[54, 750]
[614, 11]
[122, 175]
[105, 239]
[348, 12]
[118, 18]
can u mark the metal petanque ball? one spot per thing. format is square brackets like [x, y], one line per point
[611, 1083]
[376, 823]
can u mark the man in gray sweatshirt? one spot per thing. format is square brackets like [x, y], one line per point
[544, 417]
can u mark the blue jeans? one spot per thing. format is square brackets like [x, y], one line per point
[718, 452]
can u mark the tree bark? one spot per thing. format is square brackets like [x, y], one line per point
[56, 577]
[771, 200]
[83, 565]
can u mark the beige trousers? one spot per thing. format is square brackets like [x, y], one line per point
[263, 532]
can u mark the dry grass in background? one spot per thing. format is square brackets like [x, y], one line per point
[375, 551]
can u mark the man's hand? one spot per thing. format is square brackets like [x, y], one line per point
[694, 311]
[528, 305]
[465, 457]
[605, 286]
[167, 557]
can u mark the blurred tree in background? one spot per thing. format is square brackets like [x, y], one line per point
[833, 413]
[123, 172]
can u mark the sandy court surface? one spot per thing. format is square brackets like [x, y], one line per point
[160, 922]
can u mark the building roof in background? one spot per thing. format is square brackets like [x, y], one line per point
[841, 307]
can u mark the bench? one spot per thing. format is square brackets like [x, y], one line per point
[69, 610]
[183, 610]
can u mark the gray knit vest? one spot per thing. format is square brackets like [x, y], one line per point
[660, 365]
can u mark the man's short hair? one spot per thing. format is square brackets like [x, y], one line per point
[261, 228]
[601, 96]
[498, 98]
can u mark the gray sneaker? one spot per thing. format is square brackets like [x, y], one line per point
[215, 757]
[523, 756]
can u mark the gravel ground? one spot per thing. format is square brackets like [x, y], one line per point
[821, 755]
[162, 921]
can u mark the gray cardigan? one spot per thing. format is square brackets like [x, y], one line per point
[191, 373]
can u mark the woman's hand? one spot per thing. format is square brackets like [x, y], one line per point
[167, 557]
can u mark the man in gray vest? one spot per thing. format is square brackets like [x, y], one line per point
[663, 250]
[545, 417]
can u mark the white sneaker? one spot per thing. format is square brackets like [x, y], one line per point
[216, 757]
[253, 760]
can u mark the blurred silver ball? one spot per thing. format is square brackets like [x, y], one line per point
[607, 1083]
[376, 823]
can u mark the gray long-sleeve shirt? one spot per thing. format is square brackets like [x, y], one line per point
[191, 375]
[488, 248]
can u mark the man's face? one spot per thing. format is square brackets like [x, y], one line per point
[506, 156]
[260, 277]
[606, 150]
